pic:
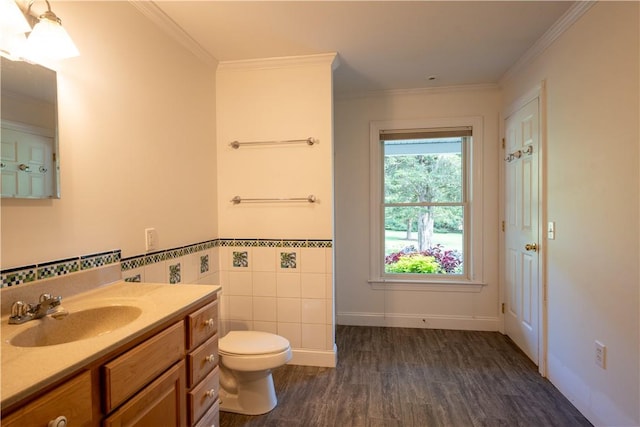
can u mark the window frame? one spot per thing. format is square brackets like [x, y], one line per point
[472, 279]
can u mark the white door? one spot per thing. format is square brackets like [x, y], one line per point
[522, 297]
[26, 164]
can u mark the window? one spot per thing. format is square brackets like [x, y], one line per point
[425, 202]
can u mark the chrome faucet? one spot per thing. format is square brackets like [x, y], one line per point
[22, 312]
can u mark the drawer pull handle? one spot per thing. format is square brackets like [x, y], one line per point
[209, 322]
[210, 358]
[61, 421]
[210, 393]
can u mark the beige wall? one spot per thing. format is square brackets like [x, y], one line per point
[137, 143]
[277, 99]
[356, 301]
[592, 78]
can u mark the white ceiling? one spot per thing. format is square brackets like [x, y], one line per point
[382, 45]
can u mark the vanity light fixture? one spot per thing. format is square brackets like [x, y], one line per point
[13, 26]
[47, 41]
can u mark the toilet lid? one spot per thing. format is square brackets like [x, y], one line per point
[252, 342]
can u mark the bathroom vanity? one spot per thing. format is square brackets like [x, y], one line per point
[158, 366]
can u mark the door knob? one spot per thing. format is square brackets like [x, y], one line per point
[531, 247]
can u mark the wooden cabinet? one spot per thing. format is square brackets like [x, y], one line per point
[161, 403]
[202, 362]
[71, 400]
[168, 378]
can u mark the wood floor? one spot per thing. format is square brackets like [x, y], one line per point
[416, 377]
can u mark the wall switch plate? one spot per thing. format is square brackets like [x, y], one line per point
[551, 230]
[601, 354]
[150, 239]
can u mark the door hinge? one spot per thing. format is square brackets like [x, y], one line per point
[502, 225]
[502, 308]
[503, 146]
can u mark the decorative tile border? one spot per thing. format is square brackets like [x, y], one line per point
[31, 273]
[137, 261]
[58, 268]
[98, 260]
[276, 243]
[170, 254]
[132, 262]
[19, 275]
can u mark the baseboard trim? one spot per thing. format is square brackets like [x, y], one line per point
[467, 323]
[322, 358]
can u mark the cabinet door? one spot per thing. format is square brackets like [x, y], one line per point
[161, 403]
[71, 400]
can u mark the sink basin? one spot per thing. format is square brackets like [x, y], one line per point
[77, 325]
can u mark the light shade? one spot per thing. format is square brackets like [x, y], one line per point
[12, 44]
[12, 20]
[49, 40]
[13, 25]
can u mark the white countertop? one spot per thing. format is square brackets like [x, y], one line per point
[28, 369]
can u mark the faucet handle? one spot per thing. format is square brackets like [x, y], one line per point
[53, 301]
[18, 309]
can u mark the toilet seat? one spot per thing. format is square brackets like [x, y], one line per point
[248, 343]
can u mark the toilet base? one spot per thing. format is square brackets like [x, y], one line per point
[255, 393]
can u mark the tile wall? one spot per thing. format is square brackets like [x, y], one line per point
[196, 263]
[279, 286]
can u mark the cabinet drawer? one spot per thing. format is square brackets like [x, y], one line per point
[127, 374]
[161, 403]
[202, 360]
[212, 417]
[71, 400]
[202, 324]
[205, 394]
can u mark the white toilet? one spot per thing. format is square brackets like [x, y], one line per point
[246, 361]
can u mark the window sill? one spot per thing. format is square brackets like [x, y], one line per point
[426, 285]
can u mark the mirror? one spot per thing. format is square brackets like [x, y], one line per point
[29, 137]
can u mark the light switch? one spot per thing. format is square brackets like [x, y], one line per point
[150, 239]
[551, 230]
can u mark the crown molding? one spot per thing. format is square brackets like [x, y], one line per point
[417, 91]
[573, 14]
[281, 62]
[156, 15]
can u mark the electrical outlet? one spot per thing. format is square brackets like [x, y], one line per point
[601, 354]
[150, 239]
